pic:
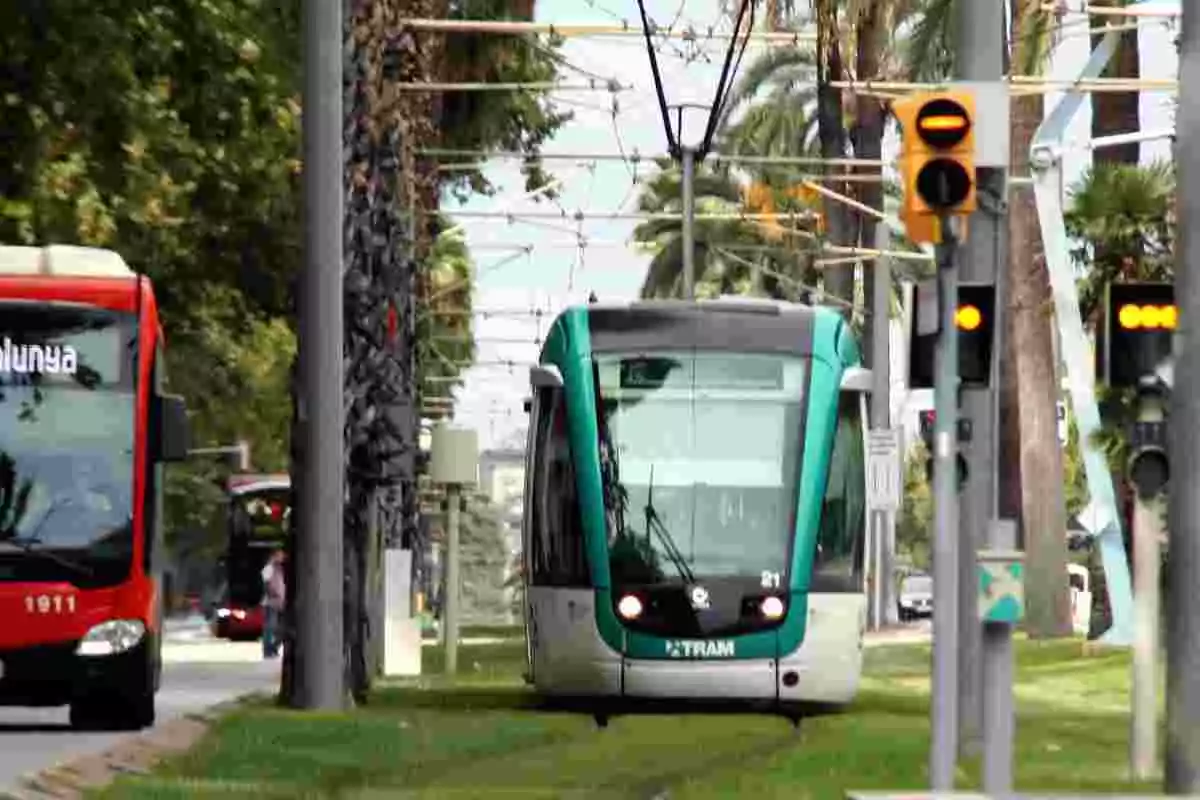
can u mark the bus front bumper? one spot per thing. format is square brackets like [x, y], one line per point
[54, 674]
[754, 679]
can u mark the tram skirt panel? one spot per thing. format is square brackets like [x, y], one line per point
[827, 666]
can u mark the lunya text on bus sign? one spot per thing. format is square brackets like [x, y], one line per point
[36, 358]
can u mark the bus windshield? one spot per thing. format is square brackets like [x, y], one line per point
[699, 462]
[66, 443]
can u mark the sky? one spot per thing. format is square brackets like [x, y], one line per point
[526, 265]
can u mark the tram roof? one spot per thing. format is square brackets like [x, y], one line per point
[729, 324]
[730, 304]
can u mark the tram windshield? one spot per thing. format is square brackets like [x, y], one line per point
[699, 461]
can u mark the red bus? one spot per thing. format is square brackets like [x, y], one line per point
[84, 430]
[259, 515]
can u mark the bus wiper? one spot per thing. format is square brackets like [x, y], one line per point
[654, 523]
[29, 544]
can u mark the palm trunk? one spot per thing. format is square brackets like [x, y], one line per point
[868, 141]
[1044, 517]
[1117, 112]
[839, 281]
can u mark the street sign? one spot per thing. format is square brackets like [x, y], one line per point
[883, 470]
[1001, 586]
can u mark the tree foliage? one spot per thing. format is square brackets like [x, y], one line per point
[914, 524]
[485, 560]
[518, 121]
[171, 133]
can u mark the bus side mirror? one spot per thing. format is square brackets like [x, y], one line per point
[174, 434]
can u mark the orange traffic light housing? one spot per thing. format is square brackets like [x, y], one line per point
[937, 160]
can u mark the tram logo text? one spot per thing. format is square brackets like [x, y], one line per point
[681, 648]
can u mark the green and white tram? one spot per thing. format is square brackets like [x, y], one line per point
[695, 504]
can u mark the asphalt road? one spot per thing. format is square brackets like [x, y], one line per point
[198, 673]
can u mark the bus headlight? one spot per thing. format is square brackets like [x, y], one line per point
[772, 608]
[112, 637]
[629, 607]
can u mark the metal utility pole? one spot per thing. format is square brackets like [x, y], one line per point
[885, 443]
[688, 157]
[1183, 603]
[319, 676]
[451, 594]
[454, 463]
[980, 65]
[944, 705]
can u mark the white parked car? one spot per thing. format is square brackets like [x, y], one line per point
[916, 597]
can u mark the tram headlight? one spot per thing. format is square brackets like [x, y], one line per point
[772, 607]
[629, 607]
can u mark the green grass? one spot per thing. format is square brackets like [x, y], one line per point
[482, 736]
[482, 631]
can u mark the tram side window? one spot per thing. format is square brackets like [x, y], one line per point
[842, 535]
[558, 545]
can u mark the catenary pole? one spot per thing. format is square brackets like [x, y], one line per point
[1182, 767]
[943, 749]
[688, 157]
[318, 602]
[883, 522]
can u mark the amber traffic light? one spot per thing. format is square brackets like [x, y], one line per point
[1142, 318]
[937, 160]
[974, 320]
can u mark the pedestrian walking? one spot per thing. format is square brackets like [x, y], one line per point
[274, 598]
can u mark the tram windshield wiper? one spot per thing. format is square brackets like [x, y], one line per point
[655, 523]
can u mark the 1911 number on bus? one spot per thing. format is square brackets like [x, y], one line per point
[50, 603]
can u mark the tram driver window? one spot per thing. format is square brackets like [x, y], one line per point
[558, 545]
[842, 535]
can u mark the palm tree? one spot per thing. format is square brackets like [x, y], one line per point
[1124, 216]
[1117, 112]
[771, 109]
[732, 256]
[1034, 368]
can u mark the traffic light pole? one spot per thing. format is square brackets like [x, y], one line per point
[984, 650]
[1183, 603]
[943, 749]
[1147, 528]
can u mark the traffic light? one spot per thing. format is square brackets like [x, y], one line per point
[928, 420]
[1149, 468]
[975, 320]
[1139, 328]
[937, 160]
